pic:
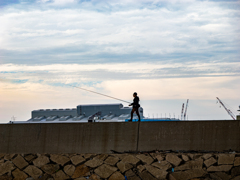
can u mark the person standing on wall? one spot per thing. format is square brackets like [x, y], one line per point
[135, 105]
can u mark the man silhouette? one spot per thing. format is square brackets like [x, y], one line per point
[135, 105]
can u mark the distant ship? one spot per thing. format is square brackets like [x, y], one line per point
[88, 113]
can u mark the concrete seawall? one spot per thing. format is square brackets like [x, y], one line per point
[104, 137]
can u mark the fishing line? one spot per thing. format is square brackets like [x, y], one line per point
[98, 93]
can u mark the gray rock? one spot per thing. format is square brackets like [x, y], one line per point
[6, 177]
[40, 161]
[237, 161]
[116, 176]
[224, 168]
[76, 160]
[104, 171]
[50, 168]
[235, 171]
[2, 155]
[33, 171]
[185, 157]
[173, 159]
[134, 178]
[59, 159]
[159, 157]
[145, 159]
[147, 176]
[111, 160]
[94, 177]
[225, 158]
[124, 166]
[69, 169]
[131, 160]
[60, 175]
[194, 164]
[18, 174]
[163, 165]
[6, 167]
[93, 163]
[210, 161]
[158, 173]
[89, 156]
[20, 162]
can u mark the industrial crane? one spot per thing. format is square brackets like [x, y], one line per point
[183, 116]
[228, 110]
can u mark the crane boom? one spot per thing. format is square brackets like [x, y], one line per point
[228, 110]
[182, 111]
[186, 110]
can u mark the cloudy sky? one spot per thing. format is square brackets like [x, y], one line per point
[166, 50]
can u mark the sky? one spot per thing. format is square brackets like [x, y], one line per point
[167, 51]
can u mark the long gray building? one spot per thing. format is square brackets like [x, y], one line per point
[83, 113]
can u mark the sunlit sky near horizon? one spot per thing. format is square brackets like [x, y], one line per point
[166, 50]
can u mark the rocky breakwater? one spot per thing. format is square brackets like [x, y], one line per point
[146, 166]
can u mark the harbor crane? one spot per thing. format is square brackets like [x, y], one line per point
[186, 110]
[228, 110]
[183, 114]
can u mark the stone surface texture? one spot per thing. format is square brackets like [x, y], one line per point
[140, 166]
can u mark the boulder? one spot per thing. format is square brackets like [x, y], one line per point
[60, 175]
[6, 177]
[89, 156]
[40, 161]
[59, 159]
[185, 157]
[207, 156]
[131, 160]
[81, 170]
[124, 166]
[29, 158]
[76, 160]
[163, 165]
[50, 168]
[129, 173]
[19, 175]
[111, 160]
[134, 178]
[140, 168]
[2, 155]
[116, 176]
[145, 158]
[146, 176]
[20, 162]
[102, 156]
[158, 173]
[210, 162]
[33, 171]
[236, 178]
[69, 169]
[6, 167]
[194, 164]
[104, 171]
[94, 177]
[188, 174]
[237, 161]
[93, 163]
[159, 157]
[9, 156]
[224, 168]
[223, 175]
[173, 159]
[226, 158]
[235, 171]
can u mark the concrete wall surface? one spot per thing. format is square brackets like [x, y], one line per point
[124, 136]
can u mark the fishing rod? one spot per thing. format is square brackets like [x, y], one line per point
[99, 93]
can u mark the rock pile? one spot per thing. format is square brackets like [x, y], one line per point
[148, 166]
